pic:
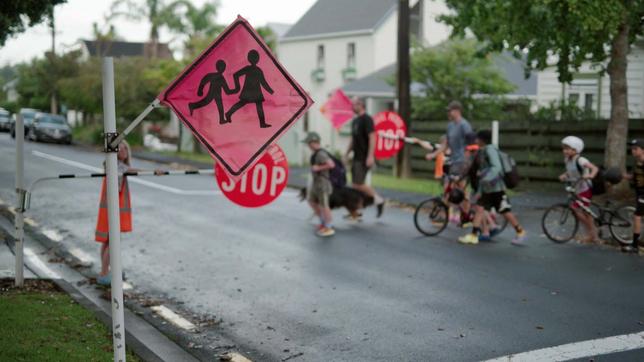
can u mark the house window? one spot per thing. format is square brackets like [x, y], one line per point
[320, 56]
[351, 55]
[588, 102]
[573, 98]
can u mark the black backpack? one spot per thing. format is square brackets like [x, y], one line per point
[598, 182]
[338, 174]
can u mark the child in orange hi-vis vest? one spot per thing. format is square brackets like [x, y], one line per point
[125, 211]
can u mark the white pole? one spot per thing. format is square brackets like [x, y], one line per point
[20, 185]
[109, 114]
[495, 133]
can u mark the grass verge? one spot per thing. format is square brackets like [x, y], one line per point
[421, 186]
[41, 323]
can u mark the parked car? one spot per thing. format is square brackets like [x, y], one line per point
[5, 120]
[28, 115]
[50, 127]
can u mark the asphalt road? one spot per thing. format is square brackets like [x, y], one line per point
[377, 291]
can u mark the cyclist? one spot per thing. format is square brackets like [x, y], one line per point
[491, 194]
[637, 181]
[580, 172]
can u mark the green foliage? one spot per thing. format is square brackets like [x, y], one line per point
[570, 31]
[268, 35]
[564, 111]
[454, 70]
[42, 77]
[15, 12]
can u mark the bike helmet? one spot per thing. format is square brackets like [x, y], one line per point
[613, 175]
[573, 142]
[456, 196]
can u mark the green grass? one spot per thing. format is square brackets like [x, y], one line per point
[50, 326]
[421, 186]
[199, 157]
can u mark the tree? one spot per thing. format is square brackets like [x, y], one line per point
[566, 32]
[197, 24]
[156, 12]
[39, 80]
[454, 70]
[14, 12]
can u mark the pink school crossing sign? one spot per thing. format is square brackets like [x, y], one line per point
[236, 98]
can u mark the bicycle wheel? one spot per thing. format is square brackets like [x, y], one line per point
[620, 224]
[559, 223]
[498, 219]
[431, 216]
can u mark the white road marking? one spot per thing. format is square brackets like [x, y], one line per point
[31, 222]
[593, 347]
[132, 179]
[173, 317]
[82, 256]
[53, 234]
[127, 286]
[236, 357]
[38, 264]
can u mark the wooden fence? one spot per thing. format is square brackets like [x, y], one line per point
[536, 146]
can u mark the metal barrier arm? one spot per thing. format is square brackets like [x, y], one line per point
[25, 195]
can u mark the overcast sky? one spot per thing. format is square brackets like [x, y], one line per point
[74, 21]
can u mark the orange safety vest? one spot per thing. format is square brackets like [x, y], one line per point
[102, 224]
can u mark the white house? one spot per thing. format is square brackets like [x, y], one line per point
[336, 42]
[591, 90]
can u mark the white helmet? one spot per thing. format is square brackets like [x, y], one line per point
[573, 142]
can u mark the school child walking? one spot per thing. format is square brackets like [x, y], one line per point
[637, 181]
[318, 198]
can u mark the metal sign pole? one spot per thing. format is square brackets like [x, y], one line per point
[20, 185]
[109, 115]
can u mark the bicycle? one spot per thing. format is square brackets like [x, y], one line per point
[431, 216]
[560, 223]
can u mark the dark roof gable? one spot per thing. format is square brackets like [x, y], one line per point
[339, 16]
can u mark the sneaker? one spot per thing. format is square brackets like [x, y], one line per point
[469, 239]
[319, 227]
[494, 232]
[379, 209]
[325, 231]
[519, 239]
[629, 249]
[104, 280]
[485, 238]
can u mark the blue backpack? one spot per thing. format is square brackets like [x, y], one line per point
[338, 174]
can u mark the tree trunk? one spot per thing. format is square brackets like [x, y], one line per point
[617, 132]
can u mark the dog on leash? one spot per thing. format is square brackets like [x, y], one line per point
[351, 199]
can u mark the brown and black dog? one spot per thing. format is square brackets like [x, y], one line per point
[347, 197]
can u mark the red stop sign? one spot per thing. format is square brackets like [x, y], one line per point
[390, 129]
[261, 184]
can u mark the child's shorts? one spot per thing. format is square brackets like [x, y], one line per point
[584, 199]
[639, 205]
[495, 200]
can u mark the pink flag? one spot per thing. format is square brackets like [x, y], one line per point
[236, 98]
[338, 109]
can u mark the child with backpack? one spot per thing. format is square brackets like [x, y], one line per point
[491, 193]
[321, 165]
[637, 181]
[580, 172]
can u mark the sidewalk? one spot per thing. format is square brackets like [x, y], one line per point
[298, 179]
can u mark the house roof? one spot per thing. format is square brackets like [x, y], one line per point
[328, 17]
[377, 83]
[119, 48]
